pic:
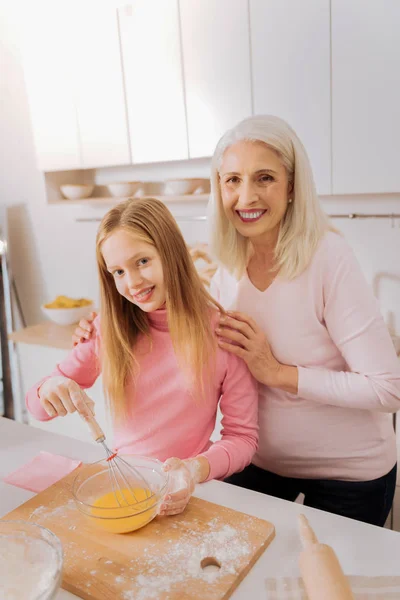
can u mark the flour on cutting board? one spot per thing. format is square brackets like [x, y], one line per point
[42, 513]
[61, 512]
[37, 561]
[222, 543]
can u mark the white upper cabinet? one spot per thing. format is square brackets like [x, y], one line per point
[99, 89]
[74, 82]
[152, 65]
[49, 78]
[216, 58]
[148, 81]
[366, 96]
[290, 49]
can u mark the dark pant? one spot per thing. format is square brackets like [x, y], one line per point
[368, 501]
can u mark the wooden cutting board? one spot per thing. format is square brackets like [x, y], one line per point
[164, 560]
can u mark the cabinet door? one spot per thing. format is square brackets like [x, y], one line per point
[216, 57]
[290, 49]
[49, 79]
[100, 100]
[75, 86]
[365, 96]
[152, 65]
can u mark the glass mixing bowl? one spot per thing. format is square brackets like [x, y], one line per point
[95, 493]
[31, 560]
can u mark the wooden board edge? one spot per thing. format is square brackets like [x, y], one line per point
[251, 564]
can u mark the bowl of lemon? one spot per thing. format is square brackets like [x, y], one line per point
[66, 311]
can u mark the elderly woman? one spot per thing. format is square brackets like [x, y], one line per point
[308, 326]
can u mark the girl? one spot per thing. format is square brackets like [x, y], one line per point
[154, 343]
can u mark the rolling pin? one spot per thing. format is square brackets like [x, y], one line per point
[320, 569]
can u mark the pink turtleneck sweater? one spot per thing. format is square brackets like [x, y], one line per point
[326, 322]
[165, 420]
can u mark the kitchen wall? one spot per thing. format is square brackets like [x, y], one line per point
[54, 254]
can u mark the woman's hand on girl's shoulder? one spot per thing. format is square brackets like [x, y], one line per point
[85, 329]
[239, 334]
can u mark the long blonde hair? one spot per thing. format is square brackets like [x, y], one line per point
[304, 223]
[187, 301]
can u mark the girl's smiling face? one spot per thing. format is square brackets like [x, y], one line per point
[136, 268]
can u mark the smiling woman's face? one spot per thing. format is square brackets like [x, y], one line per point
[254, 188]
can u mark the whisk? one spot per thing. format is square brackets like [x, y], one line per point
[122, 474]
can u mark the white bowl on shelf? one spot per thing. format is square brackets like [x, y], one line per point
[184, 187]
[77, 191]
[67, 316]
[124, 189]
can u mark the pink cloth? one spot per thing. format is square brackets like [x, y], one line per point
[326, 322]
[165, 420]
[42, 471]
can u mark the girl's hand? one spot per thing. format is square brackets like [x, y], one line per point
[60, 396]
[183, 476]
[84, 330]
[243, 337]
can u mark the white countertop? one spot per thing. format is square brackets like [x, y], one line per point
[362, 549]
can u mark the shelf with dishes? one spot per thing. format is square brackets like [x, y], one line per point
[76, 191]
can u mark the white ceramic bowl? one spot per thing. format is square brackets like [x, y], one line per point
[123, 189]
[76, 191]
[182, 187]
[31, 561]
[67, 316]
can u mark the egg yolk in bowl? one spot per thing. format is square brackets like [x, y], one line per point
[125, 517]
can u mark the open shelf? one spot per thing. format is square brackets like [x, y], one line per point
[45, 334]
[100, 201]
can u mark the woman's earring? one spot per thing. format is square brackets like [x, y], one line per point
[290, 200]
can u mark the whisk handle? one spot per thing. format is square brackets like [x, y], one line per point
[95, 429]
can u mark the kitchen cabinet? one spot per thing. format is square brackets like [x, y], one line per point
[152, 63]
[365, 96]
[162, 80]
[74, 82]
[290, 51]
[99, 87]
[216, 61]
[49, 81]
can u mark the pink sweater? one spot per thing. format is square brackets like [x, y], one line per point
[327, 323]
[165, 420]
